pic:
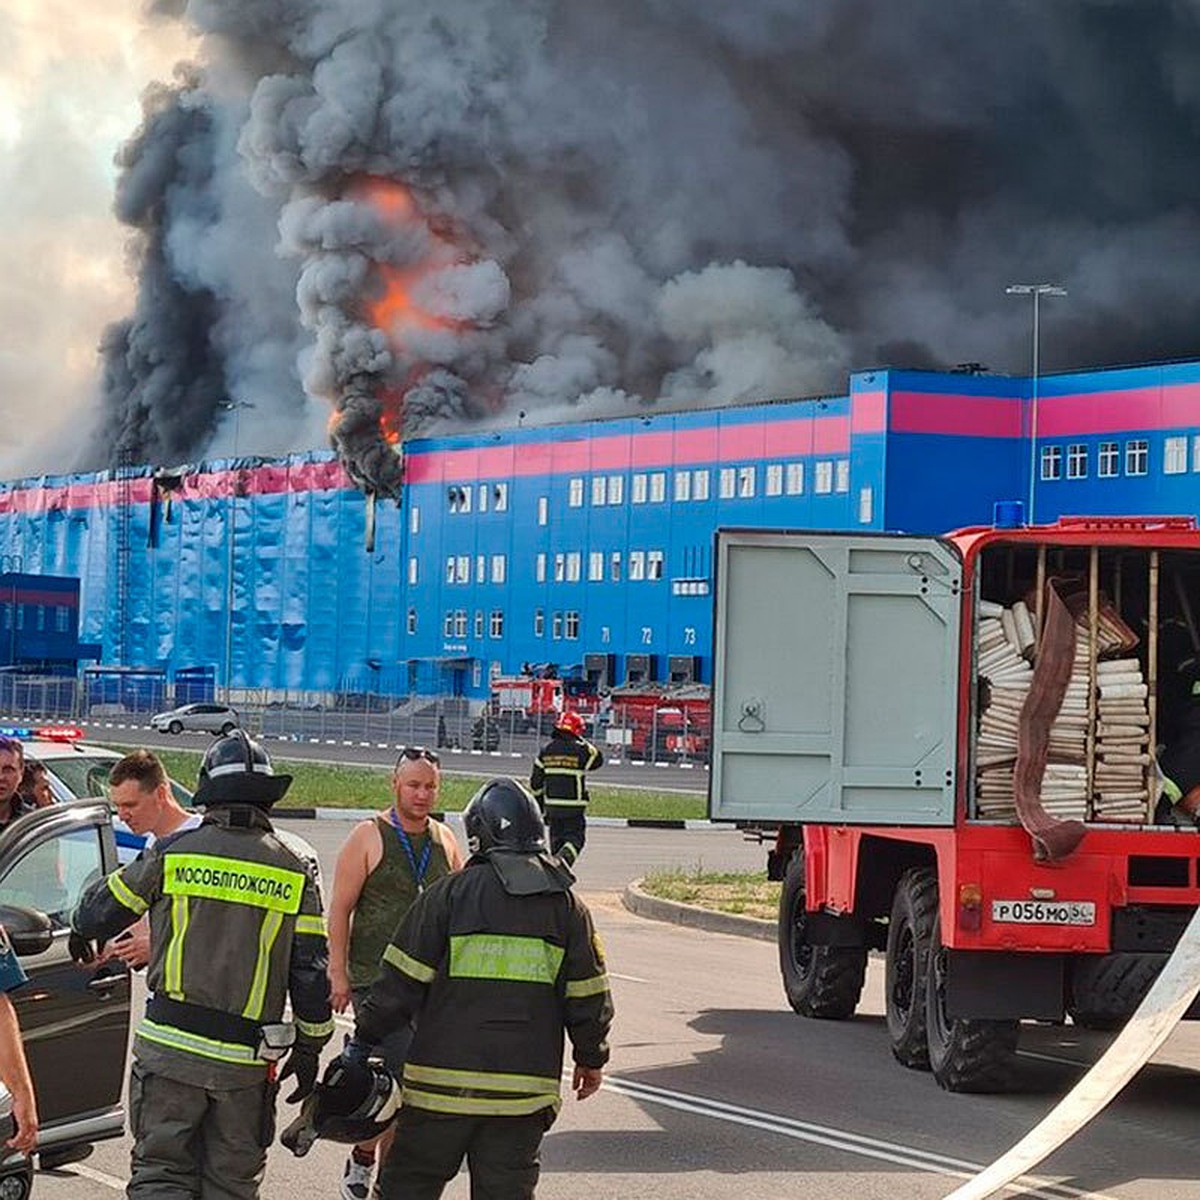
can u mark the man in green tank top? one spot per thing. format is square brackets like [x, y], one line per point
[386, 863]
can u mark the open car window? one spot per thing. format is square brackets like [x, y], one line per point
[82, 774]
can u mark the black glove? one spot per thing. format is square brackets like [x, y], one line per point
[302, 1062]
[81, 949]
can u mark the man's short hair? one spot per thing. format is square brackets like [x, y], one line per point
[142, 766]
[9, 745]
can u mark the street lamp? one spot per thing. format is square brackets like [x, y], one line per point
[234, 406]
[1037, 291]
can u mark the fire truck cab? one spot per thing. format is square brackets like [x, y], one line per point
[885, 704]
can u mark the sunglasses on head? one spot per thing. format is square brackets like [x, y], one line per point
[416, 753]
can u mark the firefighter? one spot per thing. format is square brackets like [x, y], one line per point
[495, 962]
[558, 785]
[236, 928]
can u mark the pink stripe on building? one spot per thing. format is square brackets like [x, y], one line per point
[868, 412]
[1168, 407]
[956, 416]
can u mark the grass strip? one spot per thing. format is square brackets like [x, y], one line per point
[326, 785]
[748, 894]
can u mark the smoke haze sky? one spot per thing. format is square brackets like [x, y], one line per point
[605, 205]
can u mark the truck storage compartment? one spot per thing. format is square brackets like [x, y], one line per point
[1129, 689]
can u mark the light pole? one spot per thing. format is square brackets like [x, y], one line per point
[1037, 291]
[234, 406]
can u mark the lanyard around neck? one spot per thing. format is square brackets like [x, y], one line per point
[418, 868]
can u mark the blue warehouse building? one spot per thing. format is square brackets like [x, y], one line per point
[587, 545]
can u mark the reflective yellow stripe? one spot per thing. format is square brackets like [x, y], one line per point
[173, 962]
[267, 933]
[495, 956]
[323, 1030]
[578, 988]
[407, 965]
[233, 880]
[193, 1043]
[311, 923]
[492, 1081]
[552, 803]
[125, 895]
[479, 1106]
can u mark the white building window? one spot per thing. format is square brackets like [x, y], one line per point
[539, 570]
[823, 483]
[450, 569]
[1077, 460]
[1108, 460]
[556, 626]
[616, 489]
[460, 623]
[728, 483]
[683, 485]
[746, 482]
[483, 497]
[841, 481]
[614, 565]
[637, 565]
[479, 622]
[774, 482]
[1175, 455]
[795, 478]
[700, 485]
[448, 624]
[499, 568]
[560, 568]
[571, 625]
[1051, 462]
[658, 487]
[414, 520]
[599, 490]
[501, 497]
[480, 568]
[866, 506]
[574, 565]
[539, 622]
[464, 499]
[596, 566]
[412, 572]
[1196, 452]
[654, 564]
[638, 495]
[61, 618]
[412, 620]
[462, 569]
[575, 492]
[1137, 457]
[496, 623]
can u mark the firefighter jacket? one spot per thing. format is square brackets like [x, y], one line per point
[236, 928]
[496, 979]
[557, 777]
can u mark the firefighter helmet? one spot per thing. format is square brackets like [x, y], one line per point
[237, 770]
[502, 815]
[355, 1102]
[571, 722]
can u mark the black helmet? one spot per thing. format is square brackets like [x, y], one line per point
[354, 1102]
[237, 770]
[502, 815]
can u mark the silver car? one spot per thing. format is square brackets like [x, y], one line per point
[197, 718]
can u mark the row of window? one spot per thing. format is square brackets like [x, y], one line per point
[454, 623]
[464, 496]
[562, 624]
[741, 483]
[41, 615]
[1179, 452]
[568, 566]
[458, 569]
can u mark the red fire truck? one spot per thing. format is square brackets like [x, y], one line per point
[958, 775]
[532, 702]
[661, 722]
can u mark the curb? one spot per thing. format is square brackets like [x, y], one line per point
[642, 904]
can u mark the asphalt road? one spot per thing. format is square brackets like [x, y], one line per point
[716, 1090]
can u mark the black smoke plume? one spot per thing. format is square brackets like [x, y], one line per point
[608, 205]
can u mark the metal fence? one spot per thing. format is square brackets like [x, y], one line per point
[624, 733]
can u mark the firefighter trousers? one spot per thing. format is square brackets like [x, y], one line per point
[194, 1142]
[501, 1152]
[568, 831]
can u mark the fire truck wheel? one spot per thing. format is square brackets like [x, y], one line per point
[965, 1055]
[1106, 988]
[819, 981]
[910, 932]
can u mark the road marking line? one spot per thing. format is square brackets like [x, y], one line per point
[1053, 1058]
[836, 1139]
[627, 978]
[109, 1181]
